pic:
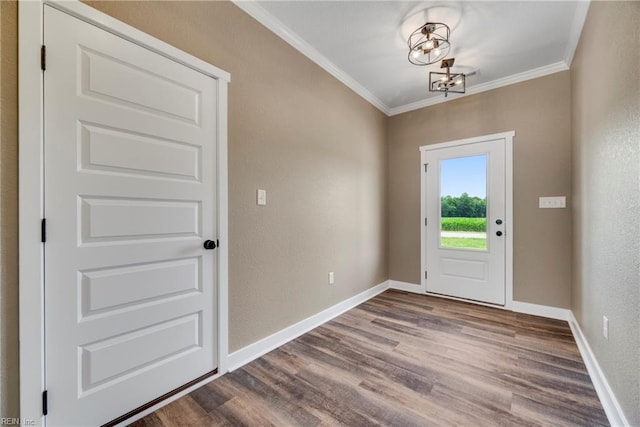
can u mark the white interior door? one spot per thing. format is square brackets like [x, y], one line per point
[465, 221]
[130, 196]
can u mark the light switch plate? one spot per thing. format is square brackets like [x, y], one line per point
[556, 202]
[261, 197]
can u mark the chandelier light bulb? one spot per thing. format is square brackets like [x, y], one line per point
[447, 81]
[431, 41]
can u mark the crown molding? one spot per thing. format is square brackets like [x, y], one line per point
[257, 12]
[253, 9]
[505, 81]
[582, 8]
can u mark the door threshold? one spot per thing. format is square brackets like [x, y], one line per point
[157, 400]
[470, 301]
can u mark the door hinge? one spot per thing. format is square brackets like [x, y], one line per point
[43, 230]
[425, 274]
[43, 57]
[45, 403]
[425, 166]
[217, 243]
[425, 222]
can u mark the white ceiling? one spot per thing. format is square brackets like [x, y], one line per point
[363, 43]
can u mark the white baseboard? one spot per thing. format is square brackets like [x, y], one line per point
[605, 394]
[405, 286]
[541, 310]
[251, 352]
[517, 306]
[245, 355]
[265, 345]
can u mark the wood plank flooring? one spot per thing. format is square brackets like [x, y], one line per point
[403, 359]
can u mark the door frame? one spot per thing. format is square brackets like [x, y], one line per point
[31, 189]
[508, 142]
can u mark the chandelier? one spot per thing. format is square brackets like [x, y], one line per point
[429, 43]
[447, 82]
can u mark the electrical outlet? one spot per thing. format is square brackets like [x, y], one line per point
[605, 327]
[331, 278]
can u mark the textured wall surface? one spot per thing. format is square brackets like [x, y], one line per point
[328, 160]
[606, 188]
[538, 111]
[313, 144]
[9, 356]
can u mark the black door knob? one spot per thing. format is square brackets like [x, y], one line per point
[498, 221]
[498, 233]
[209, 244]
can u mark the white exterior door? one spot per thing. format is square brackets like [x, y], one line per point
[465, 225]
[130, 197]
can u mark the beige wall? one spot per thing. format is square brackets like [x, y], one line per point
[538, 110]
[9, 366]
[343, 180]
[605, 88]
[314, 145]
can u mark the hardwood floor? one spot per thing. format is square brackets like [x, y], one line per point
[403, 359]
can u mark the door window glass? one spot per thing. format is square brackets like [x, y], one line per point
[463, 203]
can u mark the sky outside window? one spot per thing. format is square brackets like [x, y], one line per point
[464, 175]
